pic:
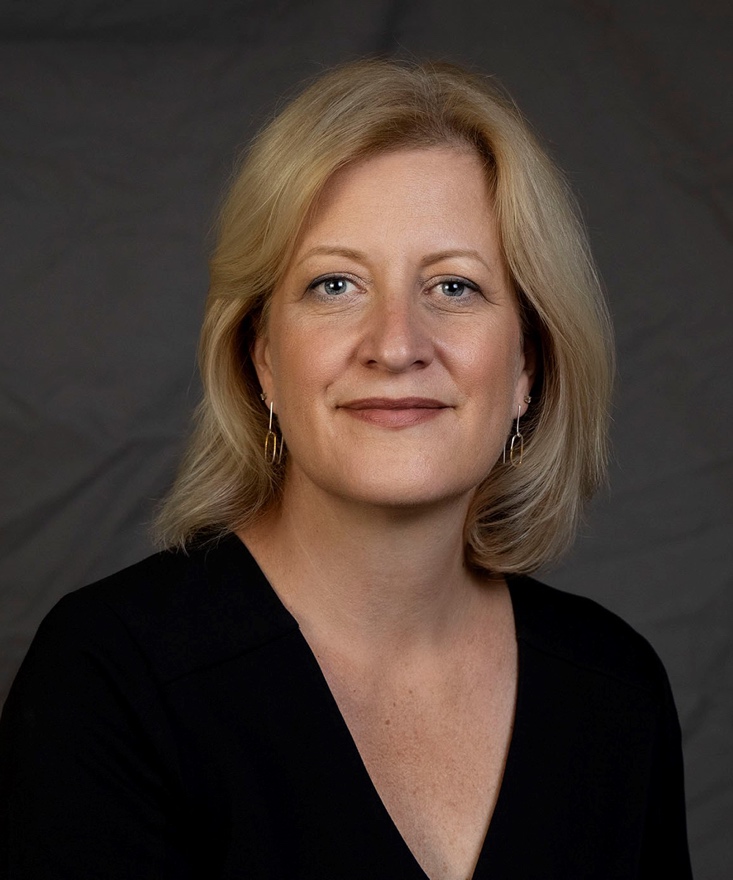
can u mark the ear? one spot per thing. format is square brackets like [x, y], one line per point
[528, 370]
[263, 362]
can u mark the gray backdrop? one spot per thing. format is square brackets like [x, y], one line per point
[118, 124]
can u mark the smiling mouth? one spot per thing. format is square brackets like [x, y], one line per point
[399, 412]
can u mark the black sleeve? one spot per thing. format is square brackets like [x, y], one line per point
[88, 777]
[665, 850]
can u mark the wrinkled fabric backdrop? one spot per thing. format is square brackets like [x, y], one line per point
[119, 123]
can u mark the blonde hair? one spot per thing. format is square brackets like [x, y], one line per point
[520, 518]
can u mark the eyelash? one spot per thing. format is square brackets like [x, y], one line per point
[469, 285]
[451, 279]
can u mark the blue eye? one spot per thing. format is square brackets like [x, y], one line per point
[452, 288]
[331, 286]
[456, 287]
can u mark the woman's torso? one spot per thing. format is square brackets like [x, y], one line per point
[175, 716]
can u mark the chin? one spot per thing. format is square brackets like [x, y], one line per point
[390, 481]
[403, 493]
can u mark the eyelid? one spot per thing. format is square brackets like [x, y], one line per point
[447, 279]
[450, 276]
[327, 276]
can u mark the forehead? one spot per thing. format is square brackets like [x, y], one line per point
[435, 194]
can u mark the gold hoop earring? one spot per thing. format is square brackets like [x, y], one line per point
[273, 444]
[516, 445]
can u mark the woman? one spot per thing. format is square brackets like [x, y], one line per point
[342, 670]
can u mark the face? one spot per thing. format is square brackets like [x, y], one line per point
[393, 351]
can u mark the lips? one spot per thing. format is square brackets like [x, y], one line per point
[389, 412]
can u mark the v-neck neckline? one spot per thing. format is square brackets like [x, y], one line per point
[483, 862]
[492, 837]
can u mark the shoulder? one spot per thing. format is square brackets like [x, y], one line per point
[578, 631]
[179, 611]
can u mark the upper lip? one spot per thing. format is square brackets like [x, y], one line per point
[394, 403]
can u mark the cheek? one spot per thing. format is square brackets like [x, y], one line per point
[304, 370]
[491, 362]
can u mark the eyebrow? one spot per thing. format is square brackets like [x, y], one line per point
[333, 251]
[457, 252]
[429, 260]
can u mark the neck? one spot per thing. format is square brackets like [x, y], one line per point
[368, 576]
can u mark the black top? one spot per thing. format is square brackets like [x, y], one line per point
[171, 722]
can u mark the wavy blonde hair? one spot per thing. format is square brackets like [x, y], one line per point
[520, 518]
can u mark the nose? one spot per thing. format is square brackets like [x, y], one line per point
[396, 337]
